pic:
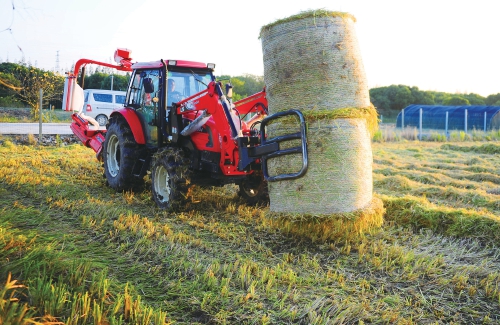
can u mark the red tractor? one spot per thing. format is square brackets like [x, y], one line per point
[179, 124]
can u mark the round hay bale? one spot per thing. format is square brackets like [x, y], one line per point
[312, 61]
[339, 177]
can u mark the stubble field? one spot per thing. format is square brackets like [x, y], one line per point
[80, 253]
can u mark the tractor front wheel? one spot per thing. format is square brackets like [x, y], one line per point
[169, 178]
[120, 153]
[254, 190]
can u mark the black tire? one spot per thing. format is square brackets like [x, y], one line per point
[254, 190]
[120, 153]
[169, 178]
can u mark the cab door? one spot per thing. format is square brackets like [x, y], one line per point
[145, 97]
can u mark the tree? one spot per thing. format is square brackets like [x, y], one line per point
[396, 97]
[400, 97]
[237, 88]
[456, 101]
[392, 99]
[475, 99]
[422, 97]
[101, 80]
[493, 100]
[120, 82]
[31, 80]
[379, 99]
[8, 85]
[95, 80]
[8, 88]
[244, 86]
[251, 84]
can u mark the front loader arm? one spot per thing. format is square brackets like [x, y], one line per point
[243, 147]
[213, 101]
[255, 103]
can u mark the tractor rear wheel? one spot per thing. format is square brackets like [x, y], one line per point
[169, 178]
[120, 153]
[254, 190]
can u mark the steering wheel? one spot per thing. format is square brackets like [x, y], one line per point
[175, 96]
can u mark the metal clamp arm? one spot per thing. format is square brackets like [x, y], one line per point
[277, 152]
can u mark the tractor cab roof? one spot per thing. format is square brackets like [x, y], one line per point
[172, 63]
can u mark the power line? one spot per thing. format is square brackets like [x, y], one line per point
[57, 61]
[9, 28]
[11, 21]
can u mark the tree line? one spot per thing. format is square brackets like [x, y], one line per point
[20, 84]
[392, 99]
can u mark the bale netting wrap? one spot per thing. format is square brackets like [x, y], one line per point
[339, 177]
[312, 61]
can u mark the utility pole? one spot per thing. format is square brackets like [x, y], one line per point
[40, 117]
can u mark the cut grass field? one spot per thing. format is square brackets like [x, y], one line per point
[75, 252]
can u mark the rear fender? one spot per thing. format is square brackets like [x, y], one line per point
[133, 121]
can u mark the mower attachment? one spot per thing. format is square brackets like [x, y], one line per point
[274, 145]
[90, 138]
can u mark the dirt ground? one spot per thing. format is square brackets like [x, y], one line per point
[17, 113]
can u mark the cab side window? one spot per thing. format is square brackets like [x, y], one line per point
[135, 91]
[144, 88]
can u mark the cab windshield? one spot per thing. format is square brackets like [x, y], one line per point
[185, 83]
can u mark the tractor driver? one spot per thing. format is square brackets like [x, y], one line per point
[173, 96]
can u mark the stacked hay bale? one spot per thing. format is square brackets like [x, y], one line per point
[312, 63]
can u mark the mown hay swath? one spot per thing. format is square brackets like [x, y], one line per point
[312, 63]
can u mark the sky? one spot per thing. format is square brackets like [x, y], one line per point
[439, 45]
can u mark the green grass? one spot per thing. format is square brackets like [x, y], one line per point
[79, 253]
[387, 132]
[23, 115]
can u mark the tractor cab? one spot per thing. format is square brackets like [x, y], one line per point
[153, 101]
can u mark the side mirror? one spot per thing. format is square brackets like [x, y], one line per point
[229, 91]
[149, 88]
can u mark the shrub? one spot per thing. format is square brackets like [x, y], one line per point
[377, 137]
[10, 101]
[437, 137]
